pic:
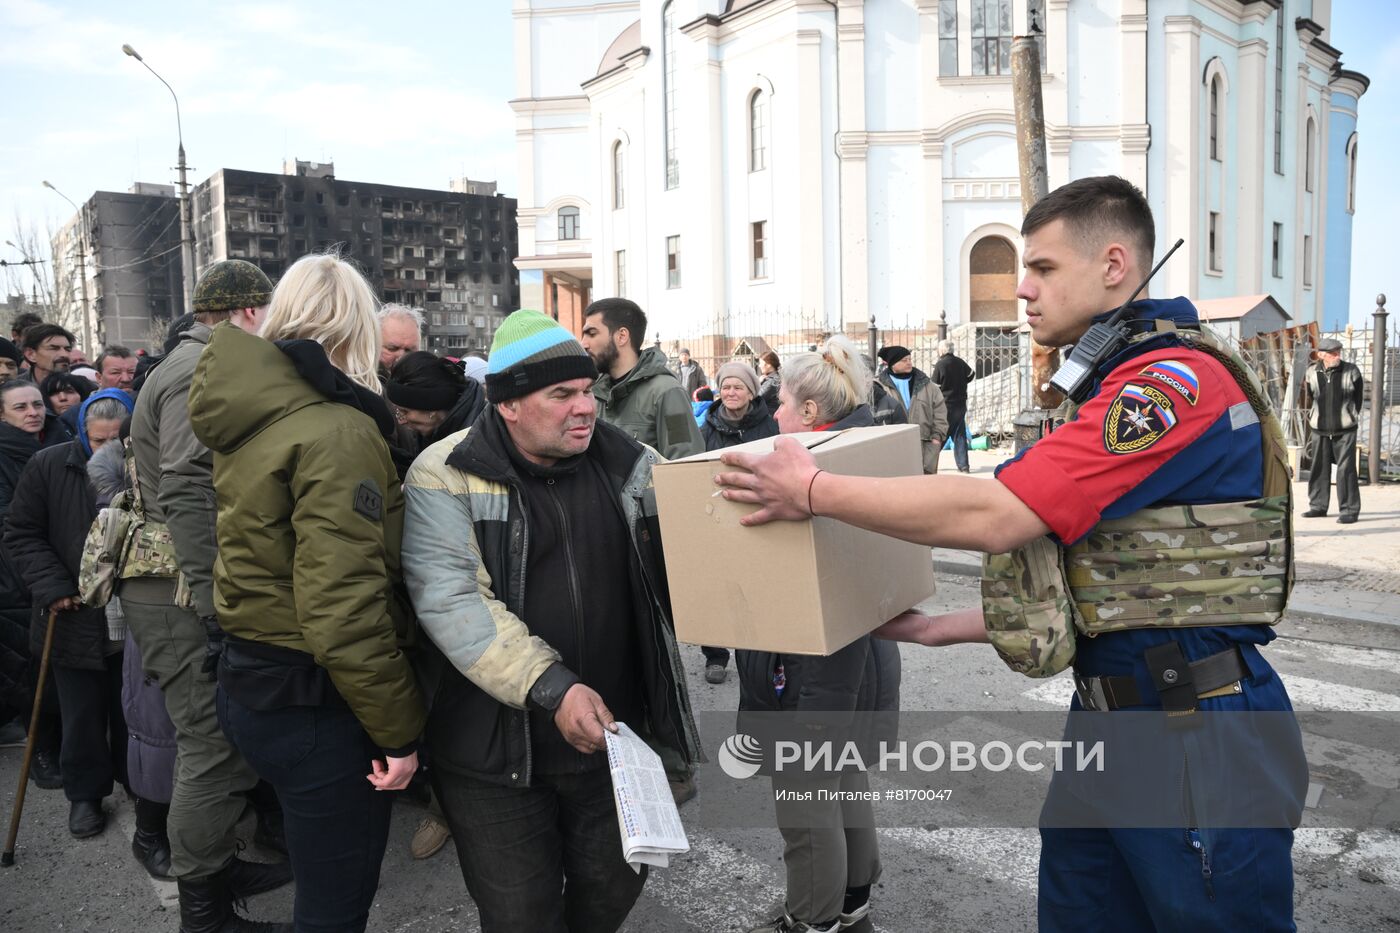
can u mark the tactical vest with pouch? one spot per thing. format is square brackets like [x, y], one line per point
[124, 543]
[1170, 566]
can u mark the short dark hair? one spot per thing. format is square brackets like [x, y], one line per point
[37, 334]
[618, 313]
[1096, 209]
[55, 383]
[771, 359]
[23, 321]
[115, 351]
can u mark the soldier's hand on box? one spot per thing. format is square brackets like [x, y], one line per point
[780, 482]
[581, 718]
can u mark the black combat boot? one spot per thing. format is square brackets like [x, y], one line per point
[245, 879]
[207, 907]
[150, 845]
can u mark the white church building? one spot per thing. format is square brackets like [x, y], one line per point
[852, 158]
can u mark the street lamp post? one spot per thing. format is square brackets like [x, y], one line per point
[186, 240]
[82, 268]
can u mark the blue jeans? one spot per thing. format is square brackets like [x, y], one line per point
[545, 858]
[336, 823]
[957, 430]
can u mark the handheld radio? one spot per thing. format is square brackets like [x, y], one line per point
[1100, 341]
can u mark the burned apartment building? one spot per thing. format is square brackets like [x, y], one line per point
[127, 246]
[450, 253]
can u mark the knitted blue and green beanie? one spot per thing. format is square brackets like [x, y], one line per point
[531, 351]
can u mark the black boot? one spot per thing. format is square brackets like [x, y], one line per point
[207, 907]
[44, 772]
[246, 879]
[150, 845]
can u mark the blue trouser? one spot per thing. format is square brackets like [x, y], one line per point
[336, 823]
[957, 431]
[1178, 879]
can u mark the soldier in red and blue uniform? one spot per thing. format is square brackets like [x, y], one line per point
[1168, 422]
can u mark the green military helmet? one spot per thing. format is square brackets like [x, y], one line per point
[232, 285]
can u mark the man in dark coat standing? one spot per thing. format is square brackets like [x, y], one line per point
[1335, 389]
[952, 375]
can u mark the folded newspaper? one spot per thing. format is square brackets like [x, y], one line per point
[646, 812]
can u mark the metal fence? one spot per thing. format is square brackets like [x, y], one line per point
[1000, 355]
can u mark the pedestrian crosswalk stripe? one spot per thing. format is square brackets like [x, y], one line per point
[1307, 693]
[1346, 655]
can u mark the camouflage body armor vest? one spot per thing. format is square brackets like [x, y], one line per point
[150, 550]
[1161, 567]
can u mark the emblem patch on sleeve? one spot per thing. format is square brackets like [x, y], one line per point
[1138, 418]
[369, 501]
[1177, 375]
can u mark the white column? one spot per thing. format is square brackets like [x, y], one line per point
[1181, 87]
[806, 98]
[855, 263]
[1133, 131]
[1245, 149]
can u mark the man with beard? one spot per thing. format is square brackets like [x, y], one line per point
[635, 390]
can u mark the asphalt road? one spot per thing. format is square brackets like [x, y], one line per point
[937, 877]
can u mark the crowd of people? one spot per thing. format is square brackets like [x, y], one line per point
[353, 568]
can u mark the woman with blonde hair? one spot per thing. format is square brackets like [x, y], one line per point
[314, 687]
[829, 846]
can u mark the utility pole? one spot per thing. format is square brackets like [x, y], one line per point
[1379, 396]
[88, 346]
[186, 237]
[1035, 183]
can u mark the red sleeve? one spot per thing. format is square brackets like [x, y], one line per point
[1147, 411]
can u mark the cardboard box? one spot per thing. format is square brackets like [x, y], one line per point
[808, 587]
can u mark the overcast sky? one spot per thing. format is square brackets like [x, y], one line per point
[400, 93]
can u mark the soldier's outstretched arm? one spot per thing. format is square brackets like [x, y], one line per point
[938, 511]
[950, 628]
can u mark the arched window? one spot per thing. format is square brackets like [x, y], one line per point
[619, 199]
[1351, 174]
[568, 223]
[1215, 118]
[1217, 127]
[668, 63]
[1310, 154]
[992, 280]
[758, 131]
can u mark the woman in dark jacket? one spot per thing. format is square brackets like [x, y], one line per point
[314, 687]
[771, 380]
[739, 416]
[830, 846]
[63, 391]
[25, 427]
[433, 397]
[53, 508]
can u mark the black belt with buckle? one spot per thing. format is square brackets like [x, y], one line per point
[1179, 683]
